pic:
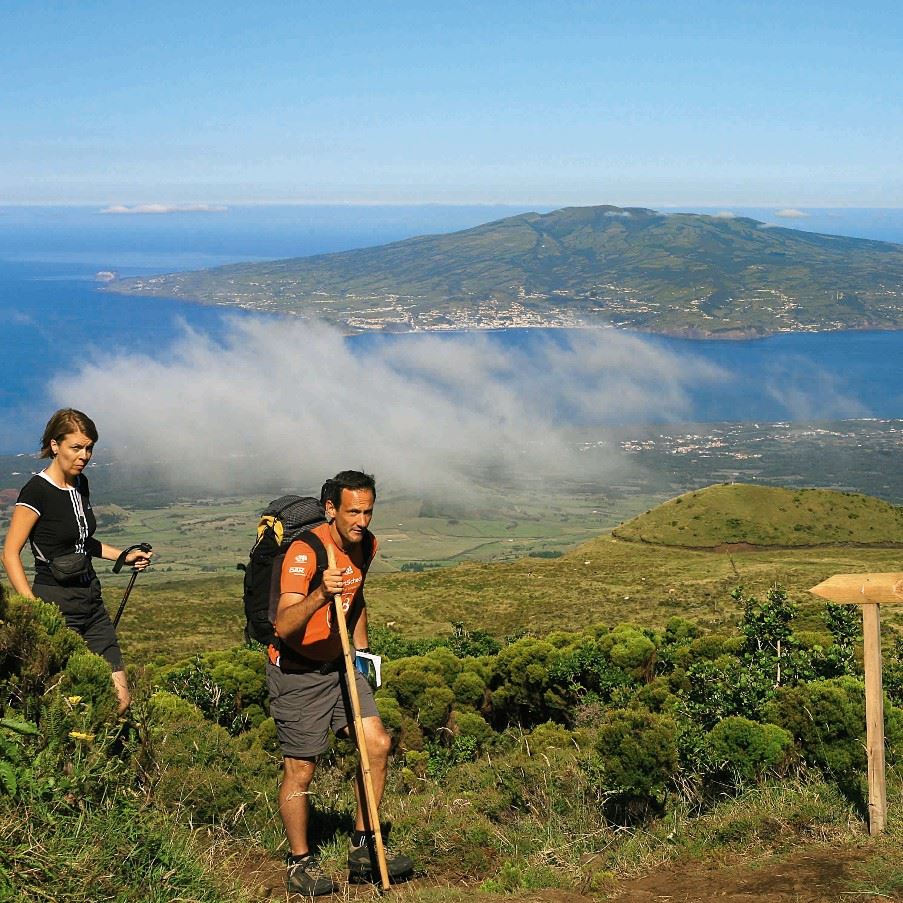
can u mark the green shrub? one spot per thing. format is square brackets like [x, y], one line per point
[631, 650]
[827, 719]
[472, 643]
[195, 682]
[638, 753]
[679, 632]
[893, 671]
[409, 678]
[473, 726]
[744, 750]
[13, 752]
[550, 735]
[657, 697]
[469, 689]
[391, 645]
[165, 707]
[35, 645]
[389, 712]
[523, 687]
[88, 676]
[585, 673]
[434, 709]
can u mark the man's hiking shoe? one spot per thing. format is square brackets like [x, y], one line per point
[306, 877]
[363, 866]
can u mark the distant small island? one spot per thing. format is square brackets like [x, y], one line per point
[632, 268]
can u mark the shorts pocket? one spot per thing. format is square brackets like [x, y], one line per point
[285, 710]
[284, 703]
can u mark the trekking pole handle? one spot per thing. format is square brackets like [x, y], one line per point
[120, 561]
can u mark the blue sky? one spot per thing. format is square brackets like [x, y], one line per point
[633, 103]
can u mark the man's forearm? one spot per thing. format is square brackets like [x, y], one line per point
[295, 611]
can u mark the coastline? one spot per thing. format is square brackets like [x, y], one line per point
[690, 333]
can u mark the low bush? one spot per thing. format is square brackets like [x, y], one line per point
[742, 751]
[637, 753]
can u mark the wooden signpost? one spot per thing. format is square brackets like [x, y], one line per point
[870, 591]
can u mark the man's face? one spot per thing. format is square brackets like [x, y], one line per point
[353, 515]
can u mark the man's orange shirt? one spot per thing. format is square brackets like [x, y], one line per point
[321, 640]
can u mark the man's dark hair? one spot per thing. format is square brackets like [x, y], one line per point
[346, 479]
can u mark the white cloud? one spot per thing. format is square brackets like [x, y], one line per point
[284, 403]
[791, 213]
[807, 392]
[724, 214]
[165, 208]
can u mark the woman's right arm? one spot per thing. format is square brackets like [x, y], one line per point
[20, 527]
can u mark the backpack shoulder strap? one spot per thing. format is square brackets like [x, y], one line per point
[314, 541]
[368, 542]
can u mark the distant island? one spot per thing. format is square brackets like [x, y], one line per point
[673, 273]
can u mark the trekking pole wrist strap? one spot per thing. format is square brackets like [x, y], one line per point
[120, 561]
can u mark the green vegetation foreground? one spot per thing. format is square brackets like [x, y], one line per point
[514, 733]
[563, 762]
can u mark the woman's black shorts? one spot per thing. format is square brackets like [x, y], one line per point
[85, 613]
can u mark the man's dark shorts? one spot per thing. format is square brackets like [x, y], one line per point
[308, 706]
[85, 613]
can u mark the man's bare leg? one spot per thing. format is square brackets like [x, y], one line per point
[294, 806]
[378, 745]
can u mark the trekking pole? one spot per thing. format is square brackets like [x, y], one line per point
[120, 561]
[351, 680]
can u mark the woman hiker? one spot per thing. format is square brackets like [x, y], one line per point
[53, 513]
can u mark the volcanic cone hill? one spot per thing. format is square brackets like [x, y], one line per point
[766, 516]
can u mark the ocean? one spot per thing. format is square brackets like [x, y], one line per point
[54, 320]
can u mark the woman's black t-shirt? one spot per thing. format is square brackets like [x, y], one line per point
[66, 523]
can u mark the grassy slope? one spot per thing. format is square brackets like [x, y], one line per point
[604, 580]
[767, 516]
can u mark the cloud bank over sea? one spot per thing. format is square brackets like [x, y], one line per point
[284, 403]
[160, 209]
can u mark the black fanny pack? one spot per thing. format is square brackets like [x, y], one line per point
[69, 567]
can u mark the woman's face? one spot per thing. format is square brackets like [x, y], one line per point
[72, 453]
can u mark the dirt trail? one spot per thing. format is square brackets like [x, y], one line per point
[814, 876]
[820, 876]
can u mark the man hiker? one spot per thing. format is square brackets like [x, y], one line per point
[307, 683]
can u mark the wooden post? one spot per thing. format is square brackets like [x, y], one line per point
[869, 591]
[874, 716]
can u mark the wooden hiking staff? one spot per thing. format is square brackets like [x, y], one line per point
[350, 679]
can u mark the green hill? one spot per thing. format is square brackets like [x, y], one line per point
[630, 267]
[729, 514]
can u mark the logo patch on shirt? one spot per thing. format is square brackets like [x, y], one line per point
[300, 571]
[300, 558]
